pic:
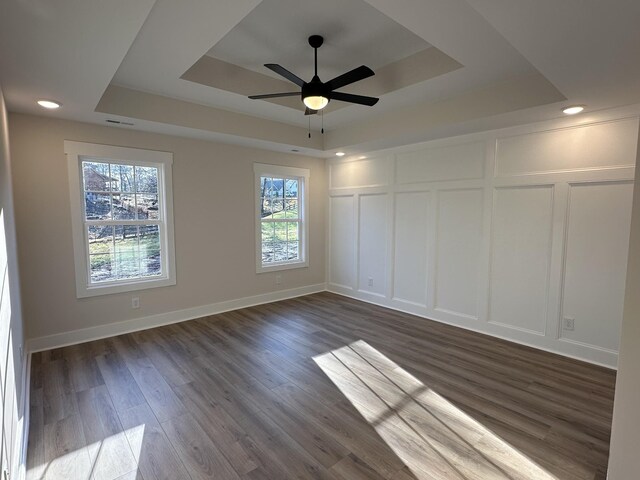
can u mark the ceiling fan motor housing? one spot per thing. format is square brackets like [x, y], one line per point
[315, 88]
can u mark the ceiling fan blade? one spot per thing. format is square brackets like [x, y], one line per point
[359, 99]
[285, 73]
[308, 111]
[352, 76]
[274, 95]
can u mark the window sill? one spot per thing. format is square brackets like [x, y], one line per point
[124, 287]
[281, 266]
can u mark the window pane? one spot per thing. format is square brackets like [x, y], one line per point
[267, 252]
[124, 207]
[280, 232]
[291, 208]
[268, 232]
[277, 207]
[280, 251]
[291, 188]
[150, 260]
[126, 239]
[96, 176]
[265, 207]
[97, 206]
[146, 179]
[147, 206]
[292, 231]
[100, 239]
[293, 251]
[277, 187]
[123, 176]
[101, 268]
[264, 186]
[127, 265]
[274, 188]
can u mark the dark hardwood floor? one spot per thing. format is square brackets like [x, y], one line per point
[318, 387]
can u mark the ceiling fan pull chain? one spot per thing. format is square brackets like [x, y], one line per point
[322, 120]
[309, 126]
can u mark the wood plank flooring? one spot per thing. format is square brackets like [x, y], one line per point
[318, 387]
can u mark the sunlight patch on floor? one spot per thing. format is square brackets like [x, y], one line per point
[107, 459]
[432, 436]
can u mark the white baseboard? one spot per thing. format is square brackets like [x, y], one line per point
[585, 353]
[580, 352]
[73, 337]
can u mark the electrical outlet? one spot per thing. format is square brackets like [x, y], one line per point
[135, 302]
[278, 279]
[568, 323]
[370, 282]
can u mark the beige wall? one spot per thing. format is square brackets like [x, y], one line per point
[11, 326]
[214, 225]
[624, 460]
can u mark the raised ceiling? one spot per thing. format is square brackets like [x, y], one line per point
[443, 68]
[276, 31]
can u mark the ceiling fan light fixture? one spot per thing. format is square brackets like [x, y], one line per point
[316, 102]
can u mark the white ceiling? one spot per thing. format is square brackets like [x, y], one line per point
[521, 61]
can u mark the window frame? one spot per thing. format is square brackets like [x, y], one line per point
[280, 171]
[77, 152]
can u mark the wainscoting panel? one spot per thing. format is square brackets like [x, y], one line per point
[596, 262]
[505, 232]
[410, 247]
[364, 173]
[520, 257]
[600, 145]
[372, 261]
[458, 242]
[454, 162]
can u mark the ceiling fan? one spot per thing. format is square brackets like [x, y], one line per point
[317, 94]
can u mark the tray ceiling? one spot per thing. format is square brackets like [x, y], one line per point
[442, 68]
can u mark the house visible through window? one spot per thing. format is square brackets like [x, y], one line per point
[123, 237]
[281, 217]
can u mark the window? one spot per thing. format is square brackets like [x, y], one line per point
[122, 218]
[281, 217]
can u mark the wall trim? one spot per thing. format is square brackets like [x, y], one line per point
[603, 358]
[73, 337]
[607, 359]
[24, 425]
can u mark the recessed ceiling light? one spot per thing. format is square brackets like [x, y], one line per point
[50, 104]
[573, 109]
[340, 154]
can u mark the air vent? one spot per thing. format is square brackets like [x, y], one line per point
[118, 122]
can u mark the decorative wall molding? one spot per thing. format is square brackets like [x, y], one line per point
[501, 270]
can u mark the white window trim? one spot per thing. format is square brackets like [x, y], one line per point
[78, 151]
[264, 170]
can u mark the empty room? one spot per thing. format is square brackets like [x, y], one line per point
[204, 278]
